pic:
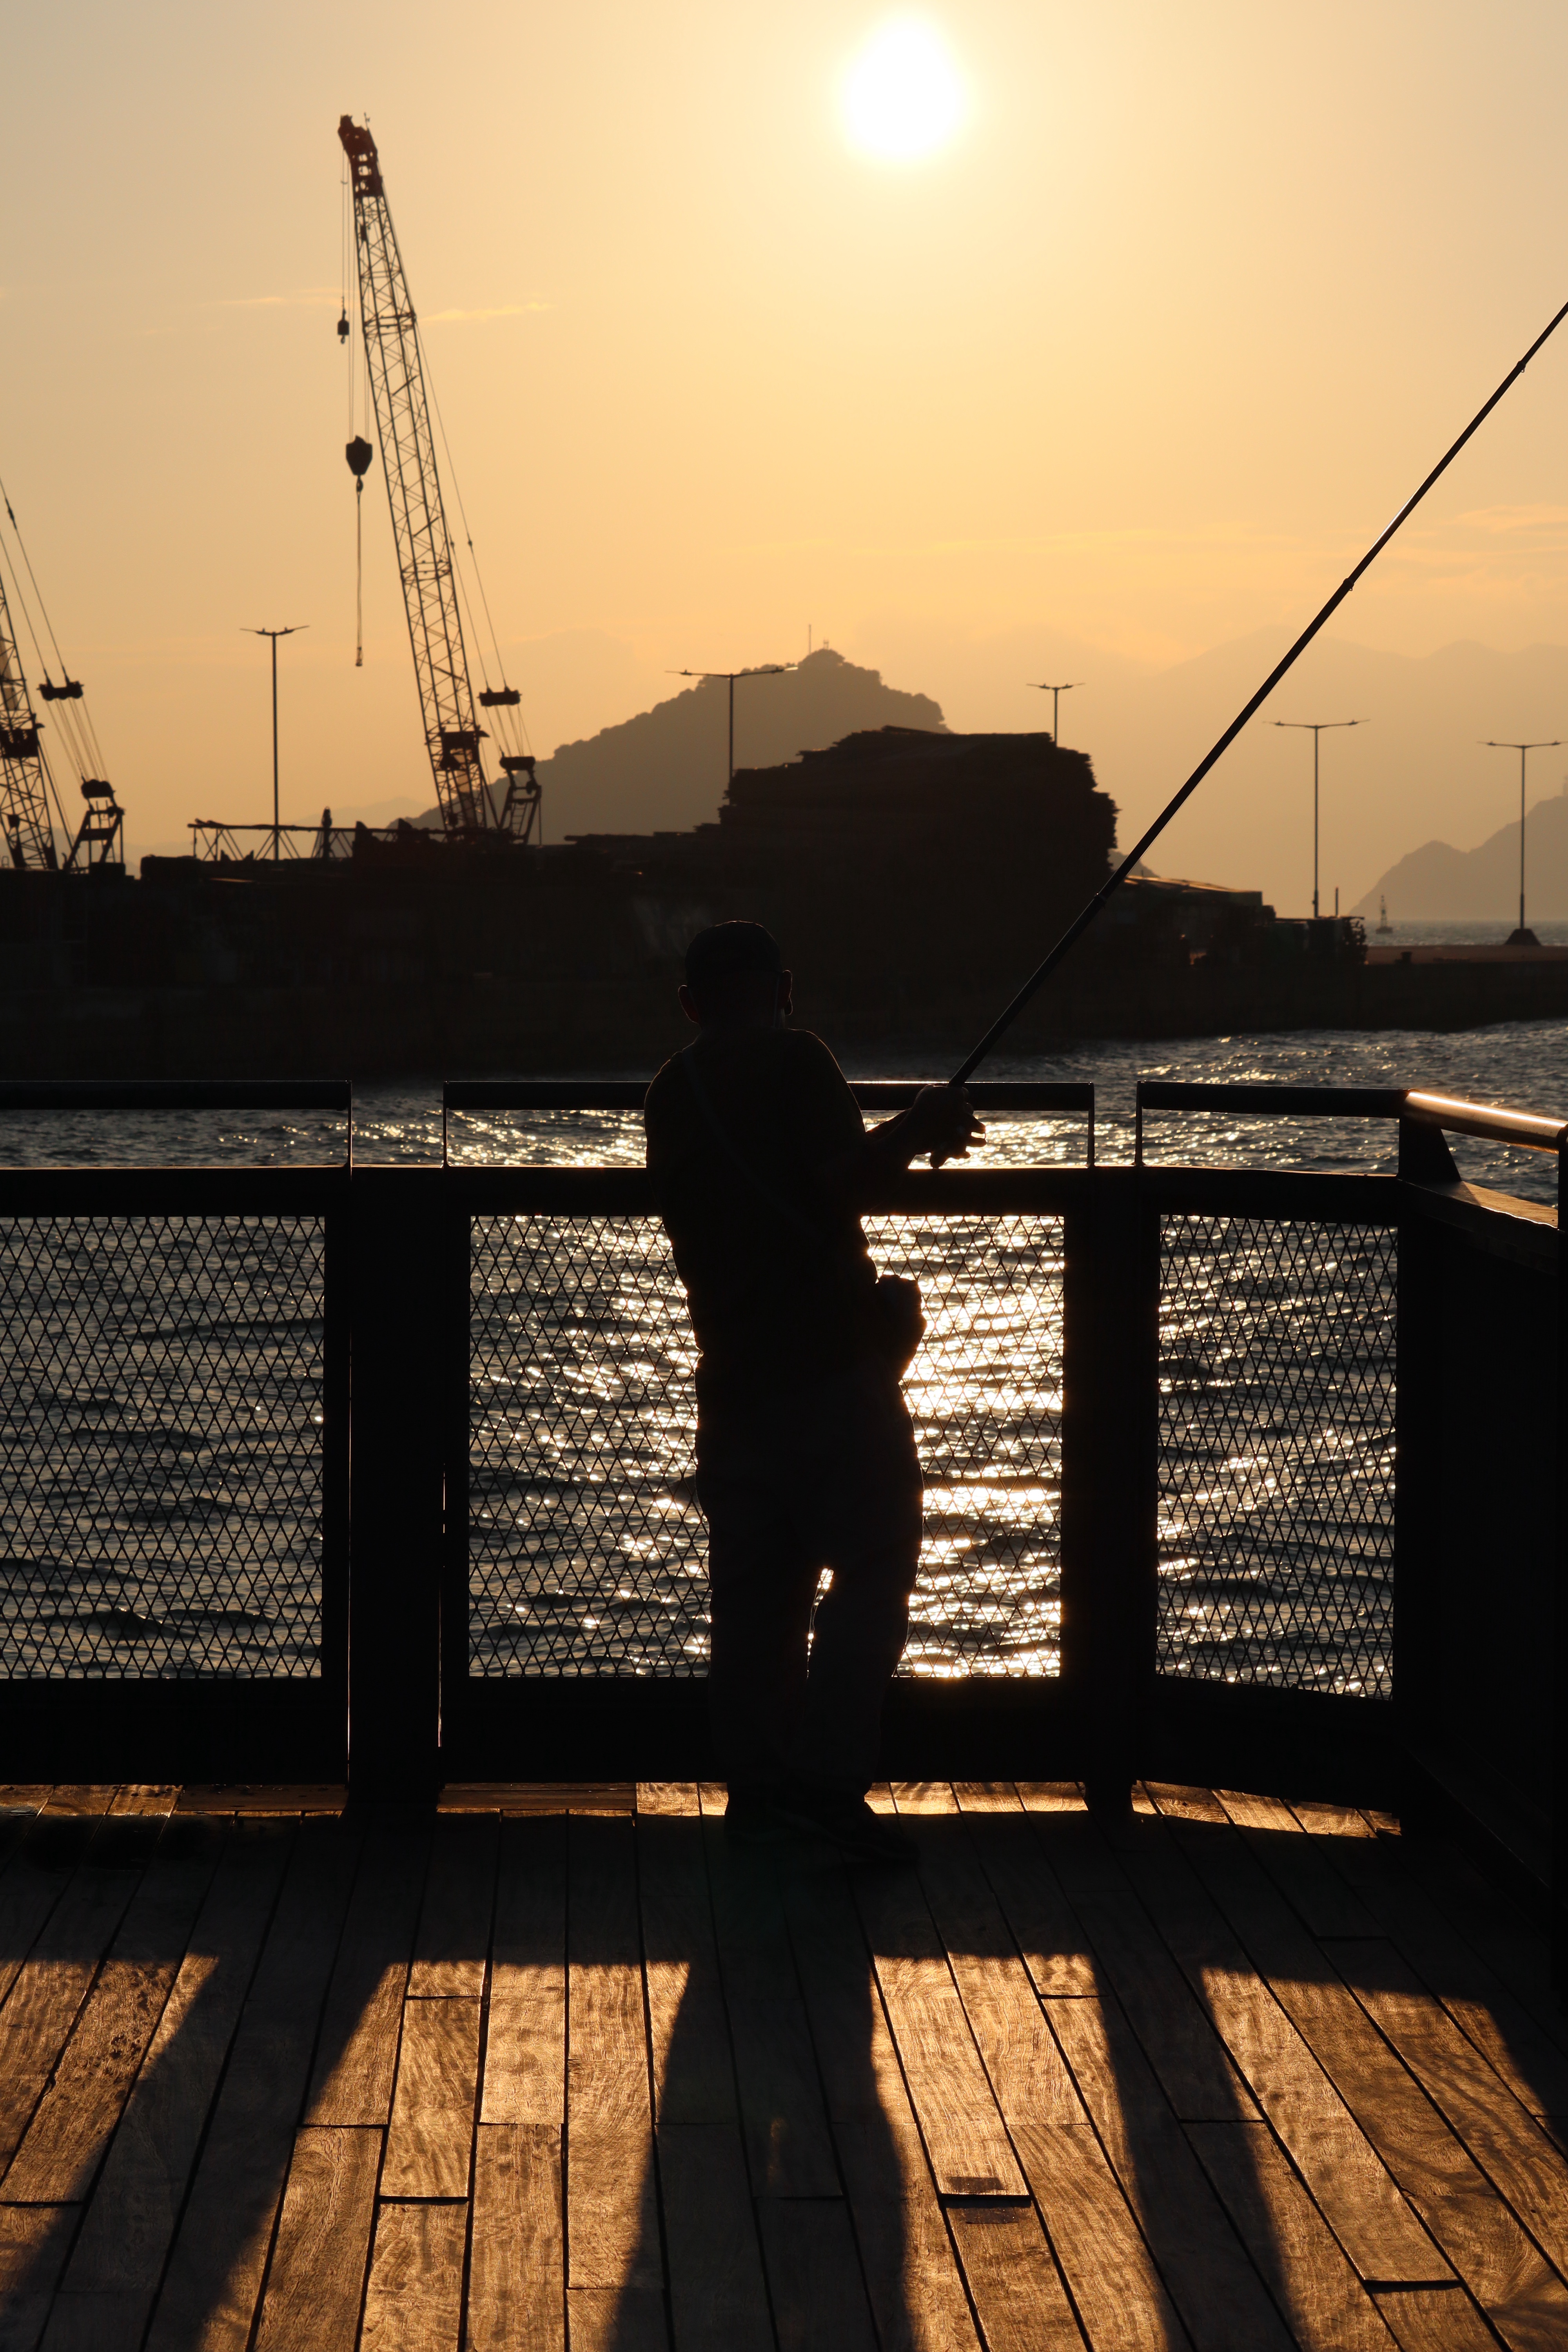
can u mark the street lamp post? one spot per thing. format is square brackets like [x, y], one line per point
[762, 669]
[1522, 938]
[1056, 693]
[275, 634]
[1318, 727]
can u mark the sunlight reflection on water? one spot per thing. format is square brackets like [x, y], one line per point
[587, 1547]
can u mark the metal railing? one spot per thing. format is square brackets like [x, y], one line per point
[1233, 1474]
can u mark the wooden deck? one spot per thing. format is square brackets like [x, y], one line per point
[556, 2067]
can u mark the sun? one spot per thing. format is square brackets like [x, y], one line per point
[903, 98]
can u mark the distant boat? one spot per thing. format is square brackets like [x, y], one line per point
[1384, 926]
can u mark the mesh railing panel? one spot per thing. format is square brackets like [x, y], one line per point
[585, 1545]
[1277, 1396]
[160, 1490]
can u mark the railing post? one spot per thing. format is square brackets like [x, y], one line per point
[1559, 1794]
[1418, 1441]
[1110, 1475]
[399, 1363]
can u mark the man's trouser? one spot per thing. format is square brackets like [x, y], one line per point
[824, 1476]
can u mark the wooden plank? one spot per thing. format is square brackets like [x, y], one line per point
[1016, 2285]
[611, 2207]
[1178, 2040]
[1028, 2072]
[315, 2284]
[525, 2045]
[1524, 2299]
[913, 2278]
[693, 2072]
[599, 2319]
[1528, 2060]
[917, 1797]
[539, 1797]
[353, 2077]
[152, 1799]
[79, 1801]
[788, 2149]
[34, 2242]
[718, 2300]
[966, 2137]
[818, 2294]
[1322, 1819]
[1314, 2285]
[130, 2224]
[516, 2287]
[607, 2056]
[1118, 2291]
[262, 1799]
[49, 1989]
[1512, 1947]
[987, 1797]
[853, 2050]
[1518, 2157]
[1359, 2198]
[208, 2300]
[667, 1798]
[1177, 1801]
[1051, 1796]
[414, 2301]
[70, 2128]
[453, 1938]
[1049, 1935]
[430, 2144]
[1300, 1867]
[612, 2226]
[28, 1893]
[1205, 2267]
[1433, 2319]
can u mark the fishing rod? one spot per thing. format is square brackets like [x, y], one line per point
[1075, 930]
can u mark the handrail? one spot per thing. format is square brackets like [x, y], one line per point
[1495, 1126]
[871, 1094]
[183, 1093]
[1287, 1101]
[1490, 1121]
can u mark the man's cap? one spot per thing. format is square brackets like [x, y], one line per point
[728, 948]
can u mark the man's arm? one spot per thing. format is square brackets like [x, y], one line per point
[941, 1121]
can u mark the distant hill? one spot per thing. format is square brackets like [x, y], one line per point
[1438, 880]
[667, 767]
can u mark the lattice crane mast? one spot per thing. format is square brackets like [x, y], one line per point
[29, 800]
[430, 584]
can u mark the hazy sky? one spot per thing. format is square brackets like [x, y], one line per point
[1134, 365]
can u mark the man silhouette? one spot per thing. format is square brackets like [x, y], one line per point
[805, 1455]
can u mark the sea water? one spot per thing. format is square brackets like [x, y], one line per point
[161, 1506]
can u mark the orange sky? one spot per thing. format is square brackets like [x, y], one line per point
[1134, 366]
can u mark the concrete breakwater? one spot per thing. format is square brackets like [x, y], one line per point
[479, 1025]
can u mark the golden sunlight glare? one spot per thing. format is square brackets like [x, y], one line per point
[903, 97]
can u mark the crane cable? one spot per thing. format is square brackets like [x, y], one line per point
[347, 259]
[73, 719]
[515, 716]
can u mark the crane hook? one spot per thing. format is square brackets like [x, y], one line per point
[343, 329]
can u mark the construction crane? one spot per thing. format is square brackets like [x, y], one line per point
[29, 798]
[431, 587]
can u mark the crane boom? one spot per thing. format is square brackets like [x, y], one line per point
[452, 731]
[25, 780]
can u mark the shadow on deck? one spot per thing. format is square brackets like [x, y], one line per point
[555, 2066]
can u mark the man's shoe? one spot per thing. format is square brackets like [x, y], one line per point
[845, 1819]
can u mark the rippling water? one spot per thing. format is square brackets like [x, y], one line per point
[163, 1429]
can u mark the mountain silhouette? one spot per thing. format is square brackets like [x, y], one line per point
[1437, 880]
[668, 767]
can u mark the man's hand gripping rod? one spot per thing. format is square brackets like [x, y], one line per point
[1074, 931]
